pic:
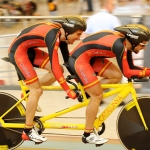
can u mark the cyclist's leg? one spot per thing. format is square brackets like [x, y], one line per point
[111, 75]
[109, 72]
[35, 93]
[96, 94]
[29, 133]
[48, 78]
[89, 80]
[24, 67]
[41, 60]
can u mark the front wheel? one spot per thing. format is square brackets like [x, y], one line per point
[130, 128]
[11, 136]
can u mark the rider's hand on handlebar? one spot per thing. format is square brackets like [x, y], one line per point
[72, 94]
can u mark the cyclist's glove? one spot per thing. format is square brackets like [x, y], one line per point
[145, 72]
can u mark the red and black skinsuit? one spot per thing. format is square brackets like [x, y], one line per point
[25, 54]
[89, 58]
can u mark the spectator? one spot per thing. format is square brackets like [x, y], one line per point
[52, 6]
[103, 20]
[89, 5]
[10, 8]
[27, 8]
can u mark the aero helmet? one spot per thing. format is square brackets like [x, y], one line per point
[71, 23]
[135, 33]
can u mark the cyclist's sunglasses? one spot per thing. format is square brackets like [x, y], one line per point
[143, 44]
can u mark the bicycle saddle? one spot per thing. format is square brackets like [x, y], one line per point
[6, 59]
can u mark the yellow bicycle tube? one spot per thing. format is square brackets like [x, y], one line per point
[138, 107]
[112, 106]
[16, 105]
[64, 111]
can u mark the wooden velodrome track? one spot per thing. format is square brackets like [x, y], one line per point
[67, 143]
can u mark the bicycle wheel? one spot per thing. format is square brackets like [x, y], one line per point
[130, 128]
[11, 136]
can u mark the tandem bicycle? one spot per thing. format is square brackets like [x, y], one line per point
[133, 121]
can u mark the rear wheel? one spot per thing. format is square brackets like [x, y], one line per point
[11, 136]
[130, 128]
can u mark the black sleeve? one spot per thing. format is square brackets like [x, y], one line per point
[65, 53]
[130, 61]
[118, 49]
[50, 41]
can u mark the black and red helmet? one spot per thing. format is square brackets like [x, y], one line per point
[71, 23]
[135, 33]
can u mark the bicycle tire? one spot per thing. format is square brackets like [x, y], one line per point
[130, 128]
[11, 136]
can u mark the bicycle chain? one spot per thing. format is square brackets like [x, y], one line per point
[66, 134]
[62, 134]
[72, 117]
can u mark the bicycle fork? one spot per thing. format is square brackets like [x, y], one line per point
[116, 101]
[135, 103]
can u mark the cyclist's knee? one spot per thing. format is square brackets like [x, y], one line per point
[37, 91]
[96, 95]
[119, 77]
[116, 77]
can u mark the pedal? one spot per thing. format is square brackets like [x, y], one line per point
[37, 143]
[98, 145]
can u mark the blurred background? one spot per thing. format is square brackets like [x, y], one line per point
[16, 15]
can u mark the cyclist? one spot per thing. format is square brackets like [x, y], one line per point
[89, 60]
[25, 54]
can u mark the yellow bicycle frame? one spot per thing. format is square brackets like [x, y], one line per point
[122, 91]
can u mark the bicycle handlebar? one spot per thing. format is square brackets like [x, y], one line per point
[136, 79]
[76, 90]
[69, 77]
